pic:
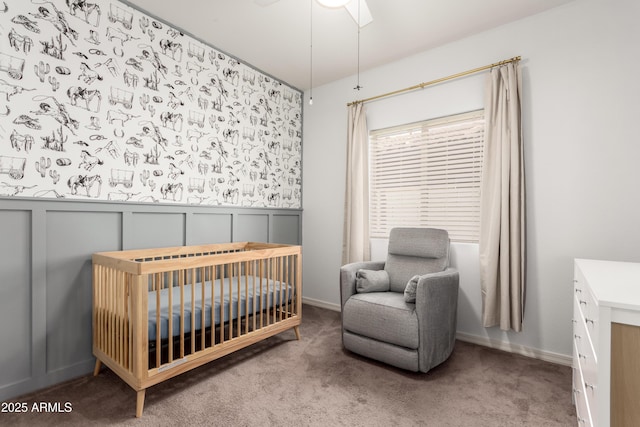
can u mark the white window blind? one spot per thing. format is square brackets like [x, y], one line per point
[427, 174]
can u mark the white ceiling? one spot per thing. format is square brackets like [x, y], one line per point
[276, 38]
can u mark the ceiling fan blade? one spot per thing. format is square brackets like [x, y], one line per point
[352, 7]
[365, 14]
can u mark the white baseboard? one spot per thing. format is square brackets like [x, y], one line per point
[547, 356]
[321, 304]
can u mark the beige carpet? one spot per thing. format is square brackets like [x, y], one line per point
[314, 382]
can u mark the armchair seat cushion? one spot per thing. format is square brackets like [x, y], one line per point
[383, 316]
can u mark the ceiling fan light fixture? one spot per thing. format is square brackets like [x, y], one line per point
[333, 3]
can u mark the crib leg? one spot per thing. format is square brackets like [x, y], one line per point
[96, 370]
[297, 331]
[140, 403]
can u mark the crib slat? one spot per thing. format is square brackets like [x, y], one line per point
[230, 302]
[202, 312]
[246, 298]
[114, 320]
[181, 285]
[156, 287]
[169, 286]
[107, 315]
[213, 309]
[193, 309]
[276, 290]
[283, 289]
[112, 279]
[103, 308]
[118, 325]
[239, 303]
[129, 365]
[292, 283]
[253, 279]
[273, 277]
[116, 316]
[287, 282]
[269, 269]
[221, 274]
[121, 320]
[124, 321]
[281, 279]
[261, 275]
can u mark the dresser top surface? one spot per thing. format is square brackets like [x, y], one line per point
[613, 283]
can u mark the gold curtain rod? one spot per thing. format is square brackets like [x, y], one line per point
[432, 82]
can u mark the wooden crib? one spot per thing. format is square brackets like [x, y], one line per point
[160, 312]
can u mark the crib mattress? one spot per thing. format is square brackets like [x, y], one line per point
[273, 293]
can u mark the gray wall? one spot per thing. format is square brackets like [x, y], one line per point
[580, 110]
[45, 271]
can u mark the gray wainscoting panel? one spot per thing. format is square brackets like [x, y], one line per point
[157, 230]
[71, 239]
[251, 228]
[285, 229]
[210, 228]
[45, 271]
[15, 297]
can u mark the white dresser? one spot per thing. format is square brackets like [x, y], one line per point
[606, 343]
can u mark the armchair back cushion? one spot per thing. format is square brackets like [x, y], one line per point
[415, 251]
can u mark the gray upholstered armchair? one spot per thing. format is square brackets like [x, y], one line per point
[403, 311]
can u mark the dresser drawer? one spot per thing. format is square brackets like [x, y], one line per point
[588, 308]
[582, 330]
[582, 411]
[585, 362]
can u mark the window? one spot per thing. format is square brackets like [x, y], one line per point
[427, 174]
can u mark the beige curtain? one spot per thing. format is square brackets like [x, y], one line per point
[502, 225]
[355, 239]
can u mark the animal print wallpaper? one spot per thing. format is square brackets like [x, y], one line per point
[100, 101]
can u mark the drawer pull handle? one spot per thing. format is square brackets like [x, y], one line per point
[582, 356]
[576, 391]
[583, 302]
[578, 291]
[576, 336]
[590, 321]
[591, 386]
[581, 420]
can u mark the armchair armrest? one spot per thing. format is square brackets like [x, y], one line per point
[348, 277]
[436, 308]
